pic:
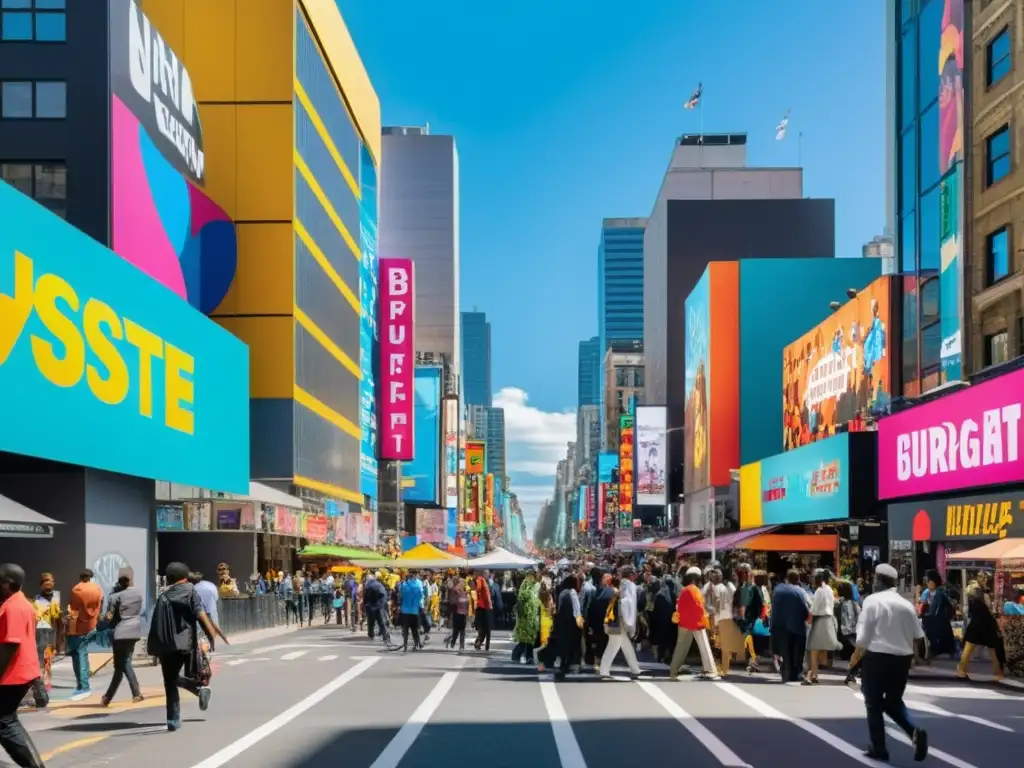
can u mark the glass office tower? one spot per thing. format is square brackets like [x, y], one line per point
[928, 116]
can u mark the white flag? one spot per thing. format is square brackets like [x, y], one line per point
[780, 129]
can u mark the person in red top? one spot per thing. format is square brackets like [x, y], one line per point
[693, 625]
[483, 611]
[19, 664]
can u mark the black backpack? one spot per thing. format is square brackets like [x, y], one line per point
[162, 634]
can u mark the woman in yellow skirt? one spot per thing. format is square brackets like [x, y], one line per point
[545, 655]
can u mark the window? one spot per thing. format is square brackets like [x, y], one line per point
[26, 20]
[997, 155]
[908, 243]
[908, 75]
[928, 148]
[997, 58]
[908, 170]
[928, 243]
[929, 33]
[997, 255]
[22, 100]
[46, 183]
[997, 348]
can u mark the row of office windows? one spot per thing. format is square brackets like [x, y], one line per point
[42, 21]
[33, 100]
[46, 183]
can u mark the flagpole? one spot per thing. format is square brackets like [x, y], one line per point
[800, 149]
[701, 105]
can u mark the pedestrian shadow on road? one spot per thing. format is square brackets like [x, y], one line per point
[98, 726]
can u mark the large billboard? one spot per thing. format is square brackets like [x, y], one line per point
[161, 220]
[607, 463]
[977, 517]
[968, 439]
[396, 317]
[368, 325]
[711, 432]
[651, 455]
[421, 475]
[951, 197]
[101, 366]
[626, 470]
[809, 484]
[840, 369]
[476, 451]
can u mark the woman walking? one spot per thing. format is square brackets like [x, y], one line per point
[822, 639]
[527, 626]
[125, 615]
[568, 626]
[459, 601]
[981, 630]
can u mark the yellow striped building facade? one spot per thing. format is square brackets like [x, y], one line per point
[289, 120]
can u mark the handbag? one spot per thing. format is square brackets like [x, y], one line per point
[675, 617]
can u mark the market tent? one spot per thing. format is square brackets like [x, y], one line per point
[423, 556]
[19, 522]
[724, 542]
[1006, 551]
[425, 551]
[339, 552]
[502, 560]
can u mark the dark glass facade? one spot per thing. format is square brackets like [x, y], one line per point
[929, 200]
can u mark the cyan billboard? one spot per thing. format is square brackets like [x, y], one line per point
[421, 480]
[102, 366]
[368, 326]
[607, 462]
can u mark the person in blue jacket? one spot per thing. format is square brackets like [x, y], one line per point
[410, 601]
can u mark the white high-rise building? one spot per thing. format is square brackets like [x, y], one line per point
[419, 219]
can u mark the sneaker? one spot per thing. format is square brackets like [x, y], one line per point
[204, 698]
[173, 725]
[80, 694]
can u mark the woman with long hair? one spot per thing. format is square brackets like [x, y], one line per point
[981, 630]
[568, 627]
[822, 639]
[545, 646]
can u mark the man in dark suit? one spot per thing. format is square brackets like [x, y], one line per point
[789, 626]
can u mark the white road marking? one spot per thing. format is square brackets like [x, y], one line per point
[959, 692]
[938, 754]
[285, 646]
[404, 739]
[236, 748]
[766, 710]
[293, 655]
[236, 662]
[569, 753]
[932, 709]
[331, 657]
[711, 743]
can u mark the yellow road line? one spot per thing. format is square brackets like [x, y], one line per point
[76, 744]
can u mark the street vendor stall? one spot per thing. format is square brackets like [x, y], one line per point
[421, 557]
[1006, 558]
[502, 560]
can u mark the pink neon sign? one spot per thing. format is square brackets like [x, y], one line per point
[967, 440]
[396, 399]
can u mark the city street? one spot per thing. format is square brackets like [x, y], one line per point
[324, 694]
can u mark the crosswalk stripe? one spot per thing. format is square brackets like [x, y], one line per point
[712, 743]
[293, 655]
[404, 739]
[932, 709]
[327, 658]
[770, 712]
[945, 757]
[569, 752]
[236, 662]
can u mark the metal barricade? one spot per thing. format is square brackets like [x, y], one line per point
[245, 613]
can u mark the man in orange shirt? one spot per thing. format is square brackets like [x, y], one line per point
[483, 611]
[86, 601]
[19, 665]
[692, 618]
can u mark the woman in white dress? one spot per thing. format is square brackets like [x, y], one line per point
[822, 638]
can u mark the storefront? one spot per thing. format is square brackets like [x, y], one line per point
[109, 382]
[952, 474]
[808, 497]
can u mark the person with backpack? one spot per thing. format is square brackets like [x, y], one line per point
[173, 639]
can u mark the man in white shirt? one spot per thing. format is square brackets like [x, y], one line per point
[887, 631]
[623, 640]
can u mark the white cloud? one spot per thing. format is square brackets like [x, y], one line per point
[535, 443]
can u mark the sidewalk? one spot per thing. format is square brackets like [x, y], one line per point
[100, 670]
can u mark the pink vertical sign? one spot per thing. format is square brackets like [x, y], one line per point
[395, 398]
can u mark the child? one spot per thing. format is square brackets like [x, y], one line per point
[339, 605]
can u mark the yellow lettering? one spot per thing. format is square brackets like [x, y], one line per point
[113, 389]
[149, 346]
[952, 511]
[15, 310]
[66, 370]
[178, 390]
[1005, 518]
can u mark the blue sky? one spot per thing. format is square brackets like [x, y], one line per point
[565, 111]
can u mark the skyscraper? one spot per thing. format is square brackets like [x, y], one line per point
[496, 441]
[476, 359]
[620, 281]
[588, 379]
[419, 219]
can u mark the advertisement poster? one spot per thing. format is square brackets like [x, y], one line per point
[475, 450]
[396, 317]
[808, 484]
[314, 527]
[976, 518]
[421, 479]
[839, 370]
[651, 455]
[968, 439]
[228, 516]
[602, 497]
[451, 452]
[489, 501]
[430, 525]
[951, 152]
[170, 519]
[286, 521]
[626, 457]
[607, 464]
[368, 340]
[472, 512]
[696, 461]
[198, 515]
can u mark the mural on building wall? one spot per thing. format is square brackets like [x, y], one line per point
[696, 468]
[368, 340]
[951, 133]
[161, 220]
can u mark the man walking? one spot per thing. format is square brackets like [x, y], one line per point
[375, 603]
[484, 605]
[19, 664]
[790, 612]
[410, 601]
[86, 601]
[620, 638]
[887, 631]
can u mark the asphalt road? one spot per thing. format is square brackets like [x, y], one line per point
[326, 695]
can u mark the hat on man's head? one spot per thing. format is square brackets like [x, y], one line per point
[693, 571]
[886, 570]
